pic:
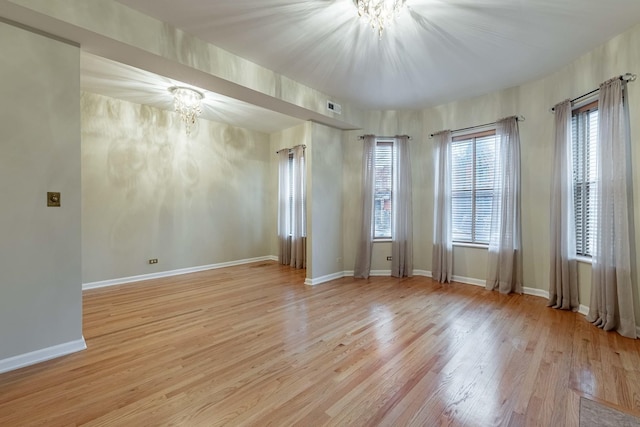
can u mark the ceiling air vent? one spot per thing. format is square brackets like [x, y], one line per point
[336, 108]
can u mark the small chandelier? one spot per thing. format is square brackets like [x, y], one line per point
[187, 103]
[380, 14]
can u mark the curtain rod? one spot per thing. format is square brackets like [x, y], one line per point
[518, 118]
[628, 77]
[385, 137]
[291, 149]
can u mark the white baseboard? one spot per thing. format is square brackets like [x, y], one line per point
[423, 273]
[349, 273]
[380, 273]
[161, 274]
[468, 281]
[324, 279]
[478, 282]
[27, 359]
[584, 310]
[536, 292]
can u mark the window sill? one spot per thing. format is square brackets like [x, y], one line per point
[382, 240]
[585, 259]
[470, 245]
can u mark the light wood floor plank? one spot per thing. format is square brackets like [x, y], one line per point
[251, 345]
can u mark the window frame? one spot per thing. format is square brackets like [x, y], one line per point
[290, 190]
[473, 136]
[391, 143]
[584, 234]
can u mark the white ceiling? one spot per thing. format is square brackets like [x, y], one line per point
[116, 80]
[438, 51]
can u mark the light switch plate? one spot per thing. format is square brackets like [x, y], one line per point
[53, 199]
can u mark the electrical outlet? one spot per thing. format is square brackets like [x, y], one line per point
[153, 261]
[53, 199]
[389, 258]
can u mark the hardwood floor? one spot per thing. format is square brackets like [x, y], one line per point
[251, 345]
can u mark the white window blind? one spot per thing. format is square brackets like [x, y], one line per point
[291, 173]
[290, 194]
[382, 191]
[584, 128]
[472, 170]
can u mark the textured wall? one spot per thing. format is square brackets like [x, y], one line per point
[144, 42]
[149, 191]
[40, 283]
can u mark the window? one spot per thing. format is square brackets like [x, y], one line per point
[289, 195]
[584, 127]
[290, 205]
[472, 167]
[382, 198]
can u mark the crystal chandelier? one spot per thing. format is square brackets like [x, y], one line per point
[380, 14]
[187, 103]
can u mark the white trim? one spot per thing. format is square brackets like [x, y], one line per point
[272, 257]
[536, 292]
[372, 273]
[468, 281]
[42, 355]
[584, 259]
[470, 245]
[583, 309]
[379, 273]
[424, 273]
[477, 282]
[161, 274]
[349, 273]
[324, 279]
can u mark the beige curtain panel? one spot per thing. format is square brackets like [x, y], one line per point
[563, 277]
[611, 306]
[442, 255]
[363, 255]
[402, 217]
[504, 261]
[284, 239]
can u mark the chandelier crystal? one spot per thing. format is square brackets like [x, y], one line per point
[380, 14]
[187, 103]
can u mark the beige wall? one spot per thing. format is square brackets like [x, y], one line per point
[324, 194]
[385, 123]
[151, 191]
[286, 138]
[325, 200]
[110, 29]
[533, 100]
[40, 279]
